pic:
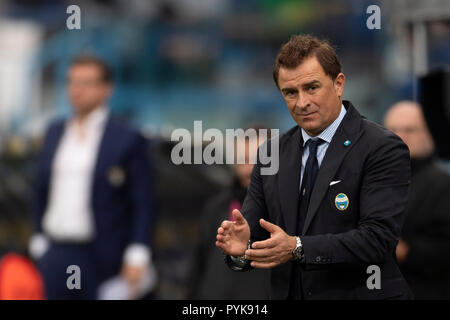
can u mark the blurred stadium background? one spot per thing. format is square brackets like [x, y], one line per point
[177, 61]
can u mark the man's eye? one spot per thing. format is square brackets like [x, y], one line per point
[313, 88]
[290, 94]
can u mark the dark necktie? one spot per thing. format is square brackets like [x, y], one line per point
[309, 177]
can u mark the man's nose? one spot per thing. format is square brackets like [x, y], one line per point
[302, 101]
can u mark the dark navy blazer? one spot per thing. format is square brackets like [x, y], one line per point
[121, 198]
[373, 170]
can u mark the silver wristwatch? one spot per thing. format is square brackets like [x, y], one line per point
[298, 251]
[240, 260]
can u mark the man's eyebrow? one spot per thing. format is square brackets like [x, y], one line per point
[289, 89]
[311, 83]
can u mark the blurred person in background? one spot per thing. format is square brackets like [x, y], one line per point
[210, 277]
[424, 248]
[92, 199]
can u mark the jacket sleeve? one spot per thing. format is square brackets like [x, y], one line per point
[253, 209]
[141, 191]
[254, 206]
[383, 197]
[40, 187]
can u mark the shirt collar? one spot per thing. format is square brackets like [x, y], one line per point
[97, 117]
[329, 132]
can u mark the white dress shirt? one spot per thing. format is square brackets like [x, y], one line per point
[326, 135]
[69, 216]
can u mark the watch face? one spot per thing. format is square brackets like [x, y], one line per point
[298, 252]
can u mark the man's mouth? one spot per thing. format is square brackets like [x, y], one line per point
[305, 115]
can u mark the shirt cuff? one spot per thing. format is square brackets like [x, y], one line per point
[38, 246]
[137, 255]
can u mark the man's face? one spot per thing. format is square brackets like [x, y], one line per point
[313, 99]
[407, 121]
[86, 89]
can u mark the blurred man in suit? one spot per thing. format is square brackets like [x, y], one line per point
[92, 200]
[424, 249]
[334, 210]
[210, 277]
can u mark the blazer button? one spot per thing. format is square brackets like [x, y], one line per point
[318, 259]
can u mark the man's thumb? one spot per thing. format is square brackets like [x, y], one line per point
[237, 216]
[268, 226]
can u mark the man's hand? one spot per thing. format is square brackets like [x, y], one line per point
[274, 251]
[402, 251]
[232, 236]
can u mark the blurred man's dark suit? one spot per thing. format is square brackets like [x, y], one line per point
[373, 170]
[427, 231]
[121, 205]
[210, 278]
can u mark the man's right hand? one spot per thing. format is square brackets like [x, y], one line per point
[233, 236]
[38, 246]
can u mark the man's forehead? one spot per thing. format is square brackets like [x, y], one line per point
[85, 68]
[308, 71]
[405, 115]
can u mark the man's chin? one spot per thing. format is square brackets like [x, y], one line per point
[82, 109]
[308, 125]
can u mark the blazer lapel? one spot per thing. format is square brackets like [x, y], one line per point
[106, 143]
[289, 180]
[53, 143]
[348, 130]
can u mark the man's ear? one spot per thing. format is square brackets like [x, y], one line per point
[339, 84]
[109, 90]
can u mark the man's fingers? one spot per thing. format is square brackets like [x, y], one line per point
[226, 224]
[224, 227]
[259, 255]
[268, 226]
[222, 240]
[262, 259]
[268, 243]
[223, 237]
[222, 246]
[263, 265]
[238, 217]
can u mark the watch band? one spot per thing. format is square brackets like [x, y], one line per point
[298, 251]
[238, 263]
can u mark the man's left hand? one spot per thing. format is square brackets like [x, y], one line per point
[273, 251]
